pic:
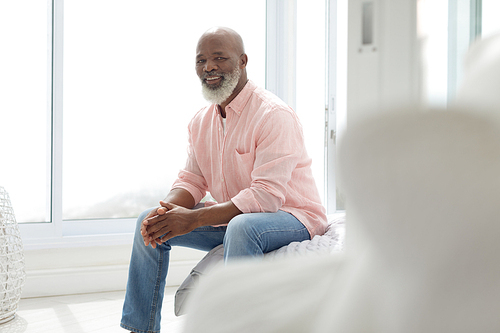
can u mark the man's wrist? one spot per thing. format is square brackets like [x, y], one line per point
[199, 215]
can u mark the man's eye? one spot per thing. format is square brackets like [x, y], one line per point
[200, 61]
[220, 58]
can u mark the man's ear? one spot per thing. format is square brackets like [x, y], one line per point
[243, 60]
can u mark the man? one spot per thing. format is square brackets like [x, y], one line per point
[247, 150]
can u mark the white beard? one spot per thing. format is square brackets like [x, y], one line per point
[219, 94]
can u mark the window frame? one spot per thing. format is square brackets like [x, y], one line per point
[460, 37]
[332, 112]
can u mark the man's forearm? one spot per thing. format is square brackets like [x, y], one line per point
[180, 197]
[220, 213]
[217, 214]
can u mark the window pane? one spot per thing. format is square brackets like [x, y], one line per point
[130, 89]
[311, 85]
[433, 35]
[25, 107]
[490, 24]
[445, 33]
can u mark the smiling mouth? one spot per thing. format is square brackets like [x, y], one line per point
[211, 79]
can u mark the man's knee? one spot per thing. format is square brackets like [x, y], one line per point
[240, 226]
[242, 238]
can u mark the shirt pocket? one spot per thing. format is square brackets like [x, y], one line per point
[243, 167]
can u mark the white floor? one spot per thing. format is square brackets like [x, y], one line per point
[96, 313]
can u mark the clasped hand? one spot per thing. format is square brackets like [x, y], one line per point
[169, 220]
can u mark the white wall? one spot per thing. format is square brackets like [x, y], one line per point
[75, 270]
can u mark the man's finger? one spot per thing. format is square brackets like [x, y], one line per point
[152, 213]
[162, 210]
[167, 237]
[155, 240]
[167, 205]
[155, 212]
[161, 240]
[154, 220]
[154, 231]
[166, 232]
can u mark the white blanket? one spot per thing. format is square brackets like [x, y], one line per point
[331, 241]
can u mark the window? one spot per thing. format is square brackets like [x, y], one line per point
[433, 34]
[311, 82]
[25, 107]
[446, 29]
[111, 88]
[302, 51]
[99, 136]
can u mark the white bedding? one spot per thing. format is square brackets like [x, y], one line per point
[331, 241]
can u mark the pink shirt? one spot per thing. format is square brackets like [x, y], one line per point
[260, 163]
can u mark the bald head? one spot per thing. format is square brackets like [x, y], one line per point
[228, 35]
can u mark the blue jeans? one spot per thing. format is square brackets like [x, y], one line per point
[246, 235]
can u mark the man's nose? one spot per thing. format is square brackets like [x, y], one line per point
[210, 66]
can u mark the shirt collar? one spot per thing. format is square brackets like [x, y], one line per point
[240, 101]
